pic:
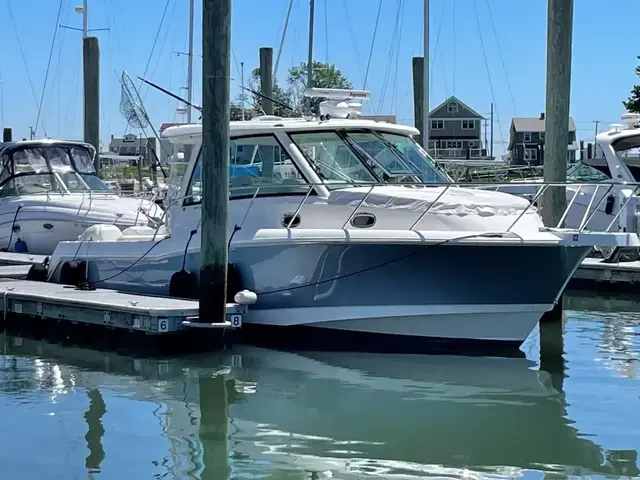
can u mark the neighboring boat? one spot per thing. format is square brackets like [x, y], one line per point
[364, 237]
[50, 192]
[609, 191]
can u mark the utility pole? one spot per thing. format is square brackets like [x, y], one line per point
[85, 19]
[491, 134]
[216, 48]
[266, 80]
[595, 138]
[312, 4]
[91, 67]
[190, 60]
[32, 133]
[425, 86]
[242, 95]
[559, 32]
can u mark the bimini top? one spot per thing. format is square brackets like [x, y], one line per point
[43, 166]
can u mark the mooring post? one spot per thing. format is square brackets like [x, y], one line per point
[266, 78]
[7, 135]
[216, 45]
[91, 67]
[559, 30]
[418, 94]
[213, 432]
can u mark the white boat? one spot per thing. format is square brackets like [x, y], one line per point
[612, 181]
[50, 192]
[367, 245]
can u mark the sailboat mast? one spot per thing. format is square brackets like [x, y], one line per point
[312, 5]
[425, 87]
[190, 60]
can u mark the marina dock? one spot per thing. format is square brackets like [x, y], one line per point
[48, 308]
[623, 277]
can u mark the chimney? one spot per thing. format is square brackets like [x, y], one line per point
[542, 116]
[112, 136]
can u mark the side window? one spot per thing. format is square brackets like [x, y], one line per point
[257, 162]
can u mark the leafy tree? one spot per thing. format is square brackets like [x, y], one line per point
[235, 112]
[633, 102]
[324, 75]
[280, 95]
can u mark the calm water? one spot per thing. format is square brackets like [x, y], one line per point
[75, 413]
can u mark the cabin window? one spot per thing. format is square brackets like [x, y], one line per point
[332, 158]
[256, 163]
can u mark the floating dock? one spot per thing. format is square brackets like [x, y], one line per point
[622, 277]
[53, 308]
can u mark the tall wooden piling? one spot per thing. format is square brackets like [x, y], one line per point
[266, 78]
[554, 203]
[418, 96]
[91, 67]
[7, 135]
[559, 30]
[216, 46]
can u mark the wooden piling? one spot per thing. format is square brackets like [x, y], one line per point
[91, 66]
[554, 203]
[7, 135]
[559, 29]
[266, 78]
[418, 91]
[216, 46]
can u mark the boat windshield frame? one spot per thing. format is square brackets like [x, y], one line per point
[371, 169]
[44, 168]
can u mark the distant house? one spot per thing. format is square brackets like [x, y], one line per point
[455, 131]
[128, 149]
[526, 141]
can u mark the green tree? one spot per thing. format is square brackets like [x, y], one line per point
[324, 75]
[235, 112]
[279, 94]
[633, 102]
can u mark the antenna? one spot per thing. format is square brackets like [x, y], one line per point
[132, 109]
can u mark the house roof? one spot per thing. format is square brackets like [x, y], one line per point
[535, 124]
[458, 101]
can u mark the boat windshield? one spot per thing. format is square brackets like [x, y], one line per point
[584, 173]
[49, 168]
[367, 156]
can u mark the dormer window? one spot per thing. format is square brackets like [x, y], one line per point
[452, 107]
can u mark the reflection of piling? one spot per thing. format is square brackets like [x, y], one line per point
[93, 417]
[213, 427]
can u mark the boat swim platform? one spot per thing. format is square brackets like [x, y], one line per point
[13, 258]
[595, 274]
[54, 310]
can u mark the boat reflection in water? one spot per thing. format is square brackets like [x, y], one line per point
[264, 412]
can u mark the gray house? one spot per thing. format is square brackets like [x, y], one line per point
[526, 141]
[455, 131]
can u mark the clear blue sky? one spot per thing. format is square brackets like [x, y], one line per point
[604, 55]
